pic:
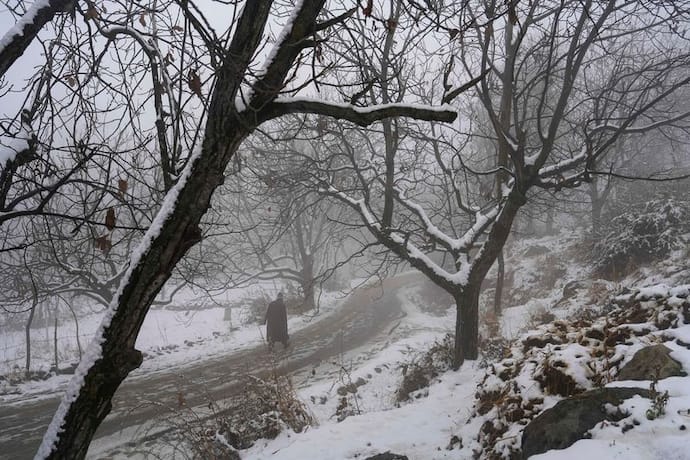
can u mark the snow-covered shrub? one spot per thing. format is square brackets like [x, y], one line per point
[267, 407]
[418, 373]
[639, 236]
[264, 410]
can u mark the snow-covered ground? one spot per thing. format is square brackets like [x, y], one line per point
[427, 427]
[441, 422]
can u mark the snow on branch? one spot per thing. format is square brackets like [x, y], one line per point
[638, 129]
[431, 229]
[12, 148]
[482, 222]
[400, 243]
[561, 166]
[18, 38]
[362, 116]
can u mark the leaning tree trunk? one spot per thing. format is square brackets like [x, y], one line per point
[107, 364]
[500, 280]
[112, 356]
[118, 357]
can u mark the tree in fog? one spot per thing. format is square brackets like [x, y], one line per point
[435, 202]
[292, 234]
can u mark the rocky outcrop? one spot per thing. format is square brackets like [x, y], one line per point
[651, 363]
[570, 419]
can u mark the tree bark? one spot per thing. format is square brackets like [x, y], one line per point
[307, 282]
[466, 325]
[500, 278]
[467, 303]
[27, 331]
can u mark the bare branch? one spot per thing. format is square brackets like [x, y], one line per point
[359, 116]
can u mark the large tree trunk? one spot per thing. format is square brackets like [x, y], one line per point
[500, 279]
[86, 407]
[467, 303]
[466, 325]
[112, 356]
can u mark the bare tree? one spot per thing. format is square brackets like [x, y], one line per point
[546, 133]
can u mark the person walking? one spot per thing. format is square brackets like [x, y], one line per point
[276, 322]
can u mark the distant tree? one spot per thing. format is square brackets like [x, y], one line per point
[294, 234]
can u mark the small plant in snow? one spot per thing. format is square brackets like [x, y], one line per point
[217, 430]
[348, 402]
[659, 401]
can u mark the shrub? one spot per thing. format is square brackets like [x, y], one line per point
[418, 373]
[216, 431]
[641, 235]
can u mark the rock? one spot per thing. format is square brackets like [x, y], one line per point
[651, 363]
[571, 288]
[387, 456]
[455, 441]
[540, 341]
[570, 419]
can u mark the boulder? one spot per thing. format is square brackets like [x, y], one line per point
[570, 419]
[649, 363]
[387, 456]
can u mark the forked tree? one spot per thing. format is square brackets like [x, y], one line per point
[427, 198]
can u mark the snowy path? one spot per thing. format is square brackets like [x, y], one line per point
[362, 316]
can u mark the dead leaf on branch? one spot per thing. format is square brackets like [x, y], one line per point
[92, 13]
[122, 187]
[142, 19]
[391, 24]
[103, 243]
[367, 10]
[194, 82]
[177, 29]
[453, 33]
[110, 219]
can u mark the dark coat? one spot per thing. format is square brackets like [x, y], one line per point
[276, 322]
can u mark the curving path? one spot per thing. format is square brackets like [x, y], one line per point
[364, 314]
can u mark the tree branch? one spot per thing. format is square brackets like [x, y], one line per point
[18, 38]
[359, 116]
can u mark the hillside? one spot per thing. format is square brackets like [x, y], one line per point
[595, 328]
